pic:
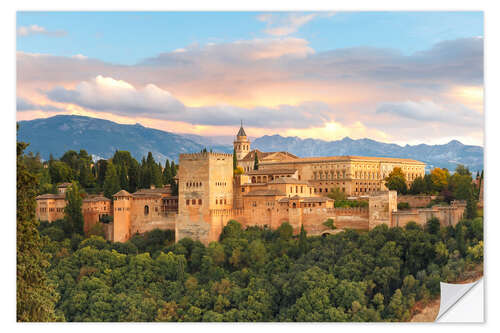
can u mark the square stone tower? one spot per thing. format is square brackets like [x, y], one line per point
[205, 188]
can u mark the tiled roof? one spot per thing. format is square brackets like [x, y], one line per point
[122, 193]
[146, 195]
[159, 190]
[264, 193]
[271, 171]
[51, 196]
[316, 199]
[306, 199]
[241, 132]
[94, 198]
[349, 158]
[288, 180]
[251, 155]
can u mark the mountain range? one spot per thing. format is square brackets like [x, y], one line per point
[102, 138]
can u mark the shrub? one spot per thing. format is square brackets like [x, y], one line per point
[403, 205]
[330, 224]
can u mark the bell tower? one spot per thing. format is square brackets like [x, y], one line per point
[241, 144]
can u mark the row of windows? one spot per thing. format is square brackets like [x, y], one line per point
[220, 201]
[329, 175]
[368, 189]
[44, 210]
[264, 179]
[244, 147]
[321, 190]
[194, 184]
[193, 202]
[297, 188]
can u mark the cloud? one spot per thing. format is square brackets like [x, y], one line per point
[79, 56]
[284, 24]
[26, 105]
[120, 97]
[428, 111]
[34, 29]
[276, 77]
[108, 94]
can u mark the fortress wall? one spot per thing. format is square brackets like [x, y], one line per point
[416, 201]
[402, 218]
[447, 215]
[90, 219]
[165, 221]
[145, 211]
[92, 210]
[195, 226]
[381, 207]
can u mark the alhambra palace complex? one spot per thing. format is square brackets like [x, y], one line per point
[285, 188]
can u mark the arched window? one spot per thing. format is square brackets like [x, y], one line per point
[187, 202]
[199, 201]
[294, 205]
[193, 201]
[146, 210]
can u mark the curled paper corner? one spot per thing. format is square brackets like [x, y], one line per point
[451, 294]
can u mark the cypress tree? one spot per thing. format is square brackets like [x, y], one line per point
[73, 217]
[235, 160]
[133, 176]
[167, 173]
[35, 297]
[256, 162]
[302, 240]
[111, 182]
[173, 169]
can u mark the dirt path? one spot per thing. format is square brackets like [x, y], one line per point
[429, 312]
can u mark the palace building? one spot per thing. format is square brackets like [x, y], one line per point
[284, 188]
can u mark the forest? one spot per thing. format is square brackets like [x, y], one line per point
[253, 274]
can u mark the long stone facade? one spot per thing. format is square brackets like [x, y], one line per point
[284, 188]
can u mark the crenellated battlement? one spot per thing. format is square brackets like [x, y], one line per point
[203, 156]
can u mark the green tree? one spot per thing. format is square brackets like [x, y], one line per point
[167, 173]
[396, 181]
[111, 182]
[73, 216]
[256, 162]
[35, 296]
[418, 186]
[235, 160]
[133, 176]
[433, 226]
[60, 172]
[302, 240]
[337, 194]
[462, 170]
[285, 231]
[471, 208]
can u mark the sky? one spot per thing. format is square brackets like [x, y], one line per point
[402, 77]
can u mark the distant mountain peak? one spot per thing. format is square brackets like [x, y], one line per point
[102, 137]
